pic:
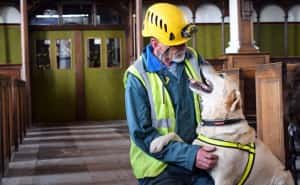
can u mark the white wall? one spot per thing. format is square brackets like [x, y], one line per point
[272, 13]
[208, 13]
[294, 14]
[10, 15]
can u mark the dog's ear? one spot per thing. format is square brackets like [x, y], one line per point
[234, 102]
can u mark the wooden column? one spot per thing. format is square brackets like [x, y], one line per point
[242, 52]
[246, 28]
[25, 71]
[139, 19]
[193, 7]
[241, 27]
[223, 35]
[224, 14]
[194, 40]
[286, 34]
[94, 14]
[257, 38]
[130, 38]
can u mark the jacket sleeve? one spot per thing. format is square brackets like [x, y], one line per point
[142, 133]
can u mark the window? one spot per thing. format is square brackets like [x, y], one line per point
[94, 52]
[42, 54]
[63, 54]
[77, 14]
[47, 17]
[107, 15]
[113, 52]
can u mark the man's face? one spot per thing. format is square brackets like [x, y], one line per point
[167, 54]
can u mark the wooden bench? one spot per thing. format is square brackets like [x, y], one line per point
[13, 118]
[271, 105]
[5, 85]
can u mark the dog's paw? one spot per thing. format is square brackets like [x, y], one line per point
[158, 144]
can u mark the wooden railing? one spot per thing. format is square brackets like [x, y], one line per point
[287, 60]
[13, 118]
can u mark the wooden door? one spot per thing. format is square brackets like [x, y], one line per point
[104, 66]
[53, 76]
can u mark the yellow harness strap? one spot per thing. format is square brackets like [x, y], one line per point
[250, 148]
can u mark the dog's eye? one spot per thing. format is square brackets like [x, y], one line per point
[221, 75]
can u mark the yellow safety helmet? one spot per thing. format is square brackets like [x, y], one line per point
[167, 23]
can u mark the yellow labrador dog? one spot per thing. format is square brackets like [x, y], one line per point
[243, 158]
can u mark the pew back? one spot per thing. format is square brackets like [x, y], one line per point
[271, 105]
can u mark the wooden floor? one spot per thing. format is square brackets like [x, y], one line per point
[81, 154]
[86, 154]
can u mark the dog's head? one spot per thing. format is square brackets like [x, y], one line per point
[220, 95]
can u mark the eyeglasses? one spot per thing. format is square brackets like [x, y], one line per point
[189, 30]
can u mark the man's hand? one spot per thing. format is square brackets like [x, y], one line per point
[205, 158]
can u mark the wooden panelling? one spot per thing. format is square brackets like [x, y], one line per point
[12, 70]
[247, 63]
[271, 121]
[287, 60]
[219, 64]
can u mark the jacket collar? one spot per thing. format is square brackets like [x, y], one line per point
[152, 63]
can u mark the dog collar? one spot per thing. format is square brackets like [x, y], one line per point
[250, 148]
[220, 122]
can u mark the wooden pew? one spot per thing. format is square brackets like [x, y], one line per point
[5, 85]
[13, 118]
[271, 105]
[22, 111]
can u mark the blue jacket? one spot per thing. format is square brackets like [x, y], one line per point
[139, 115]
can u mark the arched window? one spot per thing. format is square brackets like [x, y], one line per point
[208, 13]
[10, 15]
[294, 14]
[254, 16]
[187, 13]
[272, 13]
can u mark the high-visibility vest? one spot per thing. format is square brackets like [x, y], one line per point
[162, 112]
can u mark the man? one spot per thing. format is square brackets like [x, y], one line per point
[159, 101]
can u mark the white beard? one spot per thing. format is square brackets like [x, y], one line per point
[179, 57]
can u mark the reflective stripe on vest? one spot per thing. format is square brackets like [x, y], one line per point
[162, 113]
[192, 68]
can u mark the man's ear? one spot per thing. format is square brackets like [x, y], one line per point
[154, 42]
[234, 101]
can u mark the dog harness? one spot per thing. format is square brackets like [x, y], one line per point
[250, 148]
